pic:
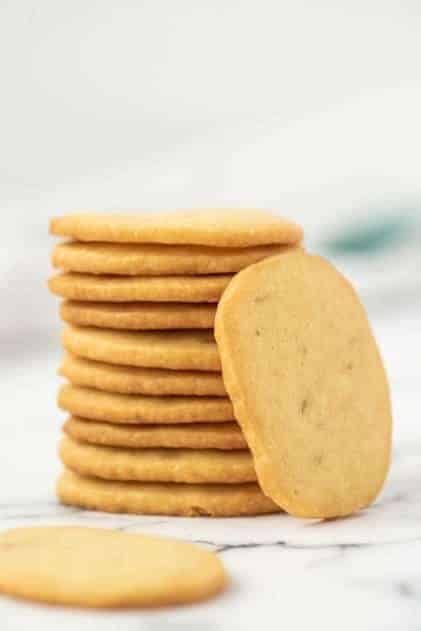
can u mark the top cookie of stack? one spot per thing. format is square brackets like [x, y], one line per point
[141, 292]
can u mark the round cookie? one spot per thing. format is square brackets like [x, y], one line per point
[139, 288]
[174, 350]
[307, 384]
[160, 498]
[139, 315]
[192, 466]
[224, 436]
[133, 380]
[156, 259]
[212, 227]
[49, 564]
[136, 408]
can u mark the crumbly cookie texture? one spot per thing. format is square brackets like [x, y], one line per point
[148, 498]
[135, 380]
[307, 384]
[224, 436]
[145, 259]
[193, 466]
[91, 287]
[174, 350]
[138, 316]
[130, 408]
[48, 564]
[211, 227]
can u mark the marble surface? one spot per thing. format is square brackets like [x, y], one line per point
[361, 573]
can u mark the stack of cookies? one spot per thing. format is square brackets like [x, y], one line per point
[151, 428]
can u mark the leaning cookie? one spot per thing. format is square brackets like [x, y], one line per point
[307, 383]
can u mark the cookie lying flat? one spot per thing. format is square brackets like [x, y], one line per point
[137, 408]
[148, 498]
[307, 383]
[225, 436]
[132, 380]
[139, 288]
[156, 259]
[212, 227]
[174, 350]
[193, 466]
[49, 564]
[139, 315]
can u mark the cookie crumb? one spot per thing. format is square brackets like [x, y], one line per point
[261, 298]
[197, 511]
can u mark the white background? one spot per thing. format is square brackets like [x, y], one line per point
[309, 108]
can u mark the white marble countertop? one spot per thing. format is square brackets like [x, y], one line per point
[359, 573]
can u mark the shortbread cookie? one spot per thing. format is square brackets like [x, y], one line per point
[132, 380]
[156, 259]
[174, 350]
[191, 500]
[49, 564]
[225, 436]
[137, 408]
[192, 466]
[211, 227]
[139, 288]
[139, 315]
[307, 383]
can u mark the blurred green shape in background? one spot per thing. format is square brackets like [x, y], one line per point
[373, 235]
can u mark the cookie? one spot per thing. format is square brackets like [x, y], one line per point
[307, 384]
[192, 466]
[49, 564]
[174, 350]
[148, 498]
[139, 288]
[211, 227]
[185, 436]
[137, 408]
[132, 380]
[139, 315]
[156, 259]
